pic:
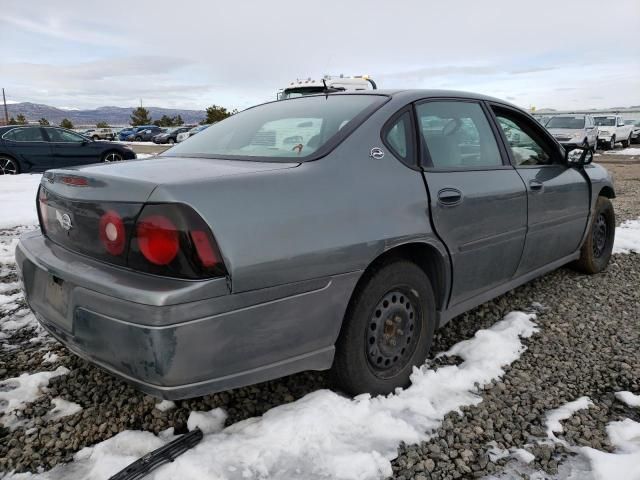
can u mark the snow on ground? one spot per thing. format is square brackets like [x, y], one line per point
[627, 237]
[50, 357]
[322, 435]
[563, 413]
[209, 422]
[62, 408]
[624, 151]
[165, 405]
[133, 143]
[18, 200]
[142, 156]
[16, 392]
[629, 398]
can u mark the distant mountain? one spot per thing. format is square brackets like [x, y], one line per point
[114, 116]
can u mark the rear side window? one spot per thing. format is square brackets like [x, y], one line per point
[457, 135]
[60, 135]
[398, 136]
[288, 130]
[29, 134]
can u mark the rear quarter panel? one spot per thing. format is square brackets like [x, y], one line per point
[326, 217]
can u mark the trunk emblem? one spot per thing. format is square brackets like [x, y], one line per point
[64, 220]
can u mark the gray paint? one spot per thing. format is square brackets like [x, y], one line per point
[296, 238]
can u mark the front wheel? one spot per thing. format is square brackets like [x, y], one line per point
[8, 166]
[612, 143]
[112, 157]
[596, 250]
[171, 141]
[387, 330]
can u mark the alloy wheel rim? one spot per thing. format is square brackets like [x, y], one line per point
[393, 332]
[7, 167]
[599, 236]
[112, 157]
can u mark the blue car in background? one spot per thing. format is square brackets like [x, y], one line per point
[125, 132]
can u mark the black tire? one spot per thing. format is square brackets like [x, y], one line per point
[388, 328]
[171, 141]
[627, 142]
[8, 166]
[95, 138]
[138, 139]
[596, 250]
[595, 146]
[612, 143]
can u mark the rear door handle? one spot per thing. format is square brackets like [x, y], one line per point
[449, 196]
[536, 186]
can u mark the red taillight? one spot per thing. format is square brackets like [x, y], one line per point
[204, 248]
[158, 239]
[112, 233]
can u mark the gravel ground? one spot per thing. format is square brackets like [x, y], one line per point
[588, 344]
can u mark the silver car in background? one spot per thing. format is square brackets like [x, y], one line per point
[574, 131]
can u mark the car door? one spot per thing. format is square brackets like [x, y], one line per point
[558, 195]
[478, 201]
[70, 149]
[29, 146]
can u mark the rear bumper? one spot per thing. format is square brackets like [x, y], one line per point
[177, 339]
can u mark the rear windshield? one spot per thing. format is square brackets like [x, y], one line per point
[297, 129]
[566, 122]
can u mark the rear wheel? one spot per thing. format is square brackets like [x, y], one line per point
[8, 166]
[627, 142]
[138, 139]
[596, 250]
[112, 157]
[387, 330]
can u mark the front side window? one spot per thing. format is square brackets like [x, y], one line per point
[28, 134]
[457, 135]
[525, 150]
[289, 129]
[61, 135]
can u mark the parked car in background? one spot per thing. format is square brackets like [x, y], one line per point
[181, 137]
[144, 134]
[35, 148]
[635, 130]
[101, 134]
[574, 130]
[612, 129]
[170, 136]
[227, 261]
[542, 119]
[124, 133]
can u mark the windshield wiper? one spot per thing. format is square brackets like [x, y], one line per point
[160, 456]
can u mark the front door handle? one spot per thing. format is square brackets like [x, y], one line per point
[536, 186]
[449, 196]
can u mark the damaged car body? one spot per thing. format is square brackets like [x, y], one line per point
[330, 231]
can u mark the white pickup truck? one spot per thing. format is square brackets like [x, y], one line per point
[612, 129]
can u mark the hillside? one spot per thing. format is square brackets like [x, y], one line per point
[115, 116]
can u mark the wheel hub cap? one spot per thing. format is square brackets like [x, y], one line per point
[599, 236]
[393, 333]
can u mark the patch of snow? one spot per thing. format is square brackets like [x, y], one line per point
[135, 143]
[21, 319]
[563, 413]
[7, 287]
[627, 237]
[50, 357]
[624, 463]
[629, 398]
[62, 408]
[523, 455]
[209, 422]
[142, 156]
[17, 391]
[165, 405]
[624, 151]
[18, 200]
[325, 435]
[496, 453]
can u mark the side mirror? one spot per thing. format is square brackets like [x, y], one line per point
[579, 156]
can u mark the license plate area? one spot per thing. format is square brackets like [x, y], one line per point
[57, 295]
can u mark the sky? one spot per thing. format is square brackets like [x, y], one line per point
[559, 54]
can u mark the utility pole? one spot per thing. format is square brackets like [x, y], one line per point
[6, 113]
